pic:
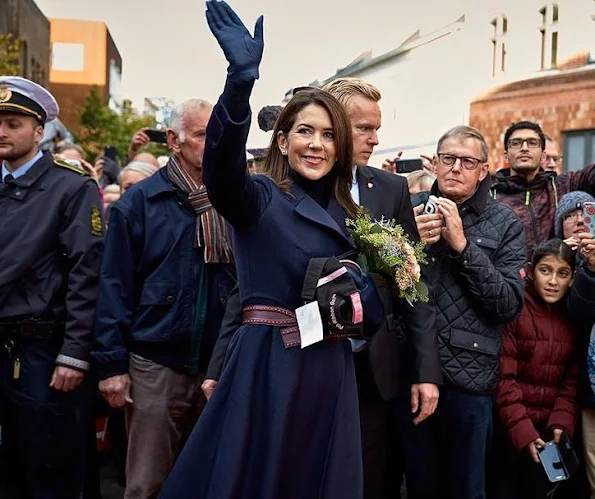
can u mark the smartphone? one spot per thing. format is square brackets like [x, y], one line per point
[157, 135]
[552, 463]
[408, 165]
[589, 216]
[431, 207]
[110, 152]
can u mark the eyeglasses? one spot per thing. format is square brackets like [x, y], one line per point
[555, 159]
[532, 143]
[449, 161]
[574, 216]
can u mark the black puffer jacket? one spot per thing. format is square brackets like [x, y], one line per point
[478, 291]
[581, 310]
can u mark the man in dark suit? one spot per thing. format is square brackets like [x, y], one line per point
[379, 370]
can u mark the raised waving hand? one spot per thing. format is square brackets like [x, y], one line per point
[242, 50]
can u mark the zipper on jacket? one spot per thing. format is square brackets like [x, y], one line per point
[551, 321]
[532, 214]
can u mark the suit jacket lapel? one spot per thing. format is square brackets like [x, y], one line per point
[367, 195]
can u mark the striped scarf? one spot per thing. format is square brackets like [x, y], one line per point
[211, 229]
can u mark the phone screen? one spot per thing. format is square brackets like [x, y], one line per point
[409, 165]
[110, 152]
[157, 135]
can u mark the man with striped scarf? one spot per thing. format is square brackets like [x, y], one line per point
[166, 274]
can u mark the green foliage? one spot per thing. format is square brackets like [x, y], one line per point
[385, 248]
[101, 126]
[10, 54]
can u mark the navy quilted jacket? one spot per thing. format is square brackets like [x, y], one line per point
[477, 292]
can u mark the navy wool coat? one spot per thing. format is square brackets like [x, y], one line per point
[282, 423]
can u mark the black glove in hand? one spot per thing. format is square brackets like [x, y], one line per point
[242, 51]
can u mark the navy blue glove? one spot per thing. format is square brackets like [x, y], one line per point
[242, 51]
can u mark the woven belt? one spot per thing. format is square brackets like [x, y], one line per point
[274, 316]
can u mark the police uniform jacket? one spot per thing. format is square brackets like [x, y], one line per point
[51, 242]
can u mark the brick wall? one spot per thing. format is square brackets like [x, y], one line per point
[559, 103]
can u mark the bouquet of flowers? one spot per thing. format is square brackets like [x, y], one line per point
[384, 248]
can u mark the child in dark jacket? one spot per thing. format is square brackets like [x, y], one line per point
[536, 397]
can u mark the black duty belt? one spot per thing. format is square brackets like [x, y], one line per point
[33, 330]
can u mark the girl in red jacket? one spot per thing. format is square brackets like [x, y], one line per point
[536, 395]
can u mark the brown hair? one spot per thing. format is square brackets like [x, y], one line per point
[276, 166]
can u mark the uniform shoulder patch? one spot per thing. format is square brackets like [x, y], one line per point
[68, 166]
[96, 223]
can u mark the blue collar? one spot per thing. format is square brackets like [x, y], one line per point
[160, 183]
[21, 170]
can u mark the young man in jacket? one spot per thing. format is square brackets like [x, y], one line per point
[530, 192]
[476, 255]
[164, 282]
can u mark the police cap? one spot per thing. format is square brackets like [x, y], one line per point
[22, 96]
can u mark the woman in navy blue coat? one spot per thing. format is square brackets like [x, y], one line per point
[283, 422]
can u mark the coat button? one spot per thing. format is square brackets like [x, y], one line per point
[17, 193]
[466, 262]
[475, 345]
[170, 299]
[479, 241]
[222, 300]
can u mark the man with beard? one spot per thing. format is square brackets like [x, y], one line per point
[530, 192]
[50, 250]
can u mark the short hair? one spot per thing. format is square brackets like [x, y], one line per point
[111, 189]
[176, 120]
[343, 89]
[524, 125]
[466, 132]
[142, 167]
[69, 146]
[420, 177]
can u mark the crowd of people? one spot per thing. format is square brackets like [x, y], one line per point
[172, 292]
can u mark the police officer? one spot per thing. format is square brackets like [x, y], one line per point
[51, 241]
